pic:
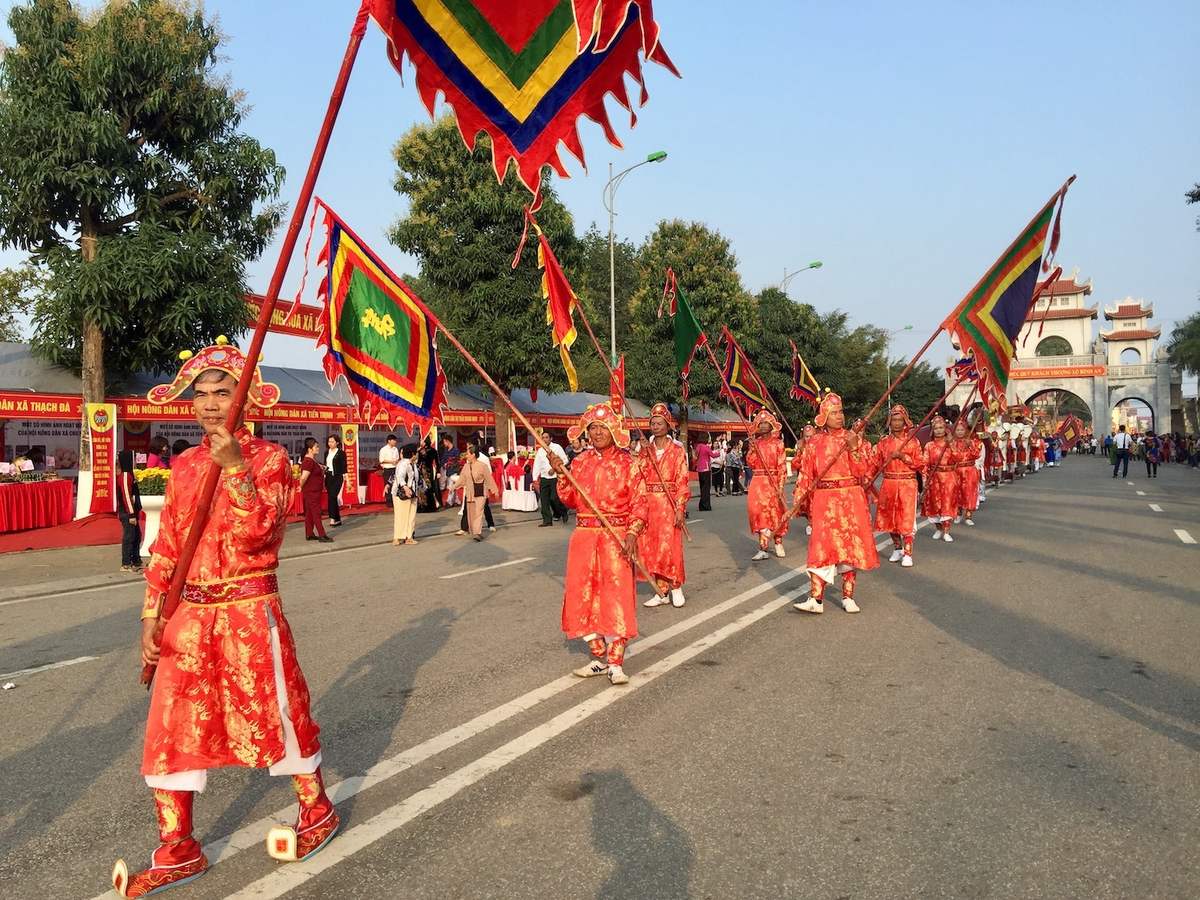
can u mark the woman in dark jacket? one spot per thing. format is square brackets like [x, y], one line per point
[335, 477]
[129, 507]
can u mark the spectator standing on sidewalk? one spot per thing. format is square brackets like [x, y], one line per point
[129, 507]
[1153, 454]
[704, 458]
[404, 499]
[335, 477]
[389, 458]
[733, 470]
[543, 473]
[312, 487]
[1122, 445]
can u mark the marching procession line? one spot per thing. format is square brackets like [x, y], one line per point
[511, 562]
[1184, 536]
[46, 668]
[1156, 507]
[350, 842]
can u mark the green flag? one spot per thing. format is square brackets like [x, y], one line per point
[688, 334]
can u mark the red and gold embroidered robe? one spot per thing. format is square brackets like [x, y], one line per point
[764, 503]
[941, 480]
[896, 510]
[966, 454]
[841, 522]
[214, 701]
[660, 546]
[1038, 448]
[599, 595]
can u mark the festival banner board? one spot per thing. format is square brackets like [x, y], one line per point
[304, 322]
[102, 426]
[1059, 372]
[350, 447]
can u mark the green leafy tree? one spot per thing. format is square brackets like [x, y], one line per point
[124, 174]
[1193, 196]
[18, 287]
[706, 269]
[464, 227]
[590, 278]
[1184, 345]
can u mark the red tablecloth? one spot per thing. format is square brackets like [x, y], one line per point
[38, 504]
[375, 487]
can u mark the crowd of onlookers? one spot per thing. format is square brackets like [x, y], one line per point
[1149, 448]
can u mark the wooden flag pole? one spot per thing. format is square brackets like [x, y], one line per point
[208, 487]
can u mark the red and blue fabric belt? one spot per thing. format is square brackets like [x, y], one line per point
[900, 476]
[231, 590]
[837, 483]
[593, 522]
[968, 465]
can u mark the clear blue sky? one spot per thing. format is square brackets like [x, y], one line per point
[902, 144]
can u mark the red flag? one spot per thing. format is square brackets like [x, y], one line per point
[560, 301]
[616, 386]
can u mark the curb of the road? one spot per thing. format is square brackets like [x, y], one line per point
[72, 585]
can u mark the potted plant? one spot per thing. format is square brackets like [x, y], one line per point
[152, 485]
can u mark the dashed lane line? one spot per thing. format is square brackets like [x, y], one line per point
[1141, 493]
[1156, 507]
[46, 668]
[511, 562]
[1184, 536]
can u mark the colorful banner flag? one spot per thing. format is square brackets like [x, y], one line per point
[689, 337]
[379, 336]
[525, 72]
[745, 388]
[102, 432]
[1070, 431]
[987, 322]
[804, 385]
[560, 302]
[963, 370]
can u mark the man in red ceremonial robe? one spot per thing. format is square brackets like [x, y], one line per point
[662, 476]
[966, 450]
[600, 595]
[993, 456]
[940, 503]
[228, 690]
[899, 454]
[1037, 448]
[806, 434]
[835, 463]
[764, 497]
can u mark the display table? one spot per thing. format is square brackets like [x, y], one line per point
[36, 504]
[376, 492]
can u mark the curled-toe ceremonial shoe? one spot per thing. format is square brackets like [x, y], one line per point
[316, 823]
[178, 858]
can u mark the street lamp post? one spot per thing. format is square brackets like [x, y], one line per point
[609, 196]
[788, 276]
[887, 362]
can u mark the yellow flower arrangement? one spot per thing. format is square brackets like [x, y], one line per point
[152, 481]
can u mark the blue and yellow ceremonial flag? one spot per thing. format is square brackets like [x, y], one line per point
[379, 335]
[742, 384]
[987, 322]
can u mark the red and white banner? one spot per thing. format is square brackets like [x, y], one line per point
[102, 426]
[304, 322]
[350, 448]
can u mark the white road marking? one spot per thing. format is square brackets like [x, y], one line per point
[511, 562]
[1184, 536]
[285, 878]
[1156, 507]
[250, 837]
[1140, 493]
[1130, 483]
[301, 558]
[46, 668]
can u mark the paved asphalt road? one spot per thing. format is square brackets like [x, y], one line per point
[1014, 717]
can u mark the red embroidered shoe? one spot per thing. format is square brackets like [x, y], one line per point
[316, 823]
[178, 859]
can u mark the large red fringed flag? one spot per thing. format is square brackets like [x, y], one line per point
[379, 336]
[745, 387]
[1070, 431]
[987, 322]
[524, 71]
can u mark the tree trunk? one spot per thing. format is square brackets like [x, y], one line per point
[502, 415]
[93, 347]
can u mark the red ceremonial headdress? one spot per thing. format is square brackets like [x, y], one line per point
[661, 409]
[934, 421]
[223, 357]
[602, 413]
[765, 415]
[899, 409]
[829, 403]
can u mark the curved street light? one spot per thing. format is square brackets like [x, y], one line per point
[609, 197]
[788, 276]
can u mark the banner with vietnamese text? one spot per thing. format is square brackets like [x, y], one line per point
[102, 427]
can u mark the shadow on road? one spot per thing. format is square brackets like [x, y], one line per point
[653, 855]
[358, 713]
[1120, 684]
